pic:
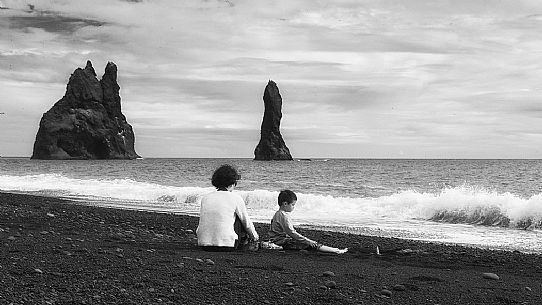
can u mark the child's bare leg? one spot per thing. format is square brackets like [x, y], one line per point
[328, 249]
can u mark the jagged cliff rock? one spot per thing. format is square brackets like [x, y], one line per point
[87, 123]
[271, 145]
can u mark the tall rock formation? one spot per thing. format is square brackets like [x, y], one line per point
[271, 145]
[87, 123]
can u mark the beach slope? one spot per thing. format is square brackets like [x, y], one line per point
[58, 252]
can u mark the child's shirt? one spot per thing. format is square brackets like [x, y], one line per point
[282, 230]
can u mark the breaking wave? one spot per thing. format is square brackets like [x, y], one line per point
[459, 205]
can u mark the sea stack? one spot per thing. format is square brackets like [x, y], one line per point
[272, 146]
[87, 123]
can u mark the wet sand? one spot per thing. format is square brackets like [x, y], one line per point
[58, 252]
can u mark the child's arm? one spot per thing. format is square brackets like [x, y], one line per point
[290, 230]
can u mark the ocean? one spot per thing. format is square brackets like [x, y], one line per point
[494, 204]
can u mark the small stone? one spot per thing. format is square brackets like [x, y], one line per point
[199, 260]
[151, 289]
[490, 276]
[11, 238]
[189, 231]
[209, 261]
[50, 215]
[289, 284]
[528, 289]
[38, 271]
[44, 232]
[399, 287]
[328, 273]
[331, 284]
[322, 287]
[386, 293]
[363, 291]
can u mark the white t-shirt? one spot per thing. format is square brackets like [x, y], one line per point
[217, 216]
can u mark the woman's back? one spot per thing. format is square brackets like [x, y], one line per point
[217, 216]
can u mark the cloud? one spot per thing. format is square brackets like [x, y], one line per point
[370, 77]
[51, 22]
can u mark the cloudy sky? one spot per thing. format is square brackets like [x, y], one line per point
[358, 78]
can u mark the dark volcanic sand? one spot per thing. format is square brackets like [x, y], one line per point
[54, 252]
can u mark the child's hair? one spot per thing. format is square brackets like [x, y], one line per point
[225, 176]
[286, 196]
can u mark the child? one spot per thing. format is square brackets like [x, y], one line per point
[282, 232]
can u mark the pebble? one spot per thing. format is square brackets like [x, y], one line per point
[328, 273]
[289, 284]
[399, 287]
[11, 238]
[209, 261]
[151, 289]
[189, 231]
[490, 276]
[528, 289]
[386, 292]
[44, 232]
[38, 271]
[50, 215]
[331, 284]
[322, 287]
[199, 260]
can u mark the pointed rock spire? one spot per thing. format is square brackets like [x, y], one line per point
[271, 145]
[89, 68]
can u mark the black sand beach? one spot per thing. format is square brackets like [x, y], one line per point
[56, 252]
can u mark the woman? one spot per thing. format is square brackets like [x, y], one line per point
[223, 221]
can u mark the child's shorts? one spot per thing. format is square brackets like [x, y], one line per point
[300, 245]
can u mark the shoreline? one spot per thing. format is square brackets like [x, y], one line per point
[339, 229]
[57, 252]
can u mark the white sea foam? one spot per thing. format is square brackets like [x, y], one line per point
[465, 214]
[465, 204]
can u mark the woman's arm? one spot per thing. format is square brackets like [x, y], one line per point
[241, 211]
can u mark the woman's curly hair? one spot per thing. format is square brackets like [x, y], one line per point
[225, 176]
